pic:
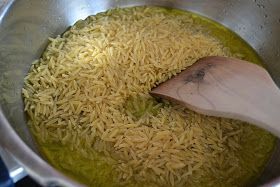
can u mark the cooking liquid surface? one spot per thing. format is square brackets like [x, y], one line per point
[97, 170]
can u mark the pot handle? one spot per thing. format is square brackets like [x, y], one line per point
[5, 180]
[10, 169]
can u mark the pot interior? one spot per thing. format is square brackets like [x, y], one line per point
[26, 25]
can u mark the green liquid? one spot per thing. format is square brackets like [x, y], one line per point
[95, 170]
[225, 36]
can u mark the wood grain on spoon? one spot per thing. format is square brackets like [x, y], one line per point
[226, 87]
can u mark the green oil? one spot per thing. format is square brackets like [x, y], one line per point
[228, 38]
[92, 169]
[97, 171]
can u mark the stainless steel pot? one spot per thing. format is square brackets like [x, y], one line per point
[25, 26]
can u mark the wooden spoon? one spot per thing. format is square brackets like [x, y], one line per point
[226, 87]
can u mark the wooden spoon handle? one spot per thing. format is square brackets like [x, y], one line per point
[227, 87]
